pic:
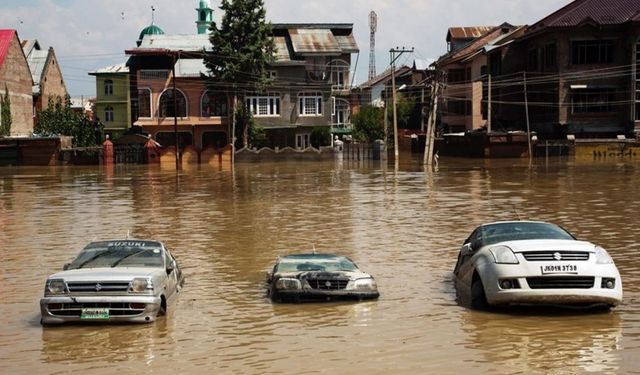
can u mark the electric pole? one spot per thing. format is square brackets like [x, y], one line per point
[395, 55]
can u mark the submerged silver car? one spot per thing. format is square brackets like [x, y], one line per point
[319, 277]
[113, 281]
[528, 262]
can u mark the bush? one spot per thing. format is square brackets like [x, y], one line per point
[368, 124]
[320, 136]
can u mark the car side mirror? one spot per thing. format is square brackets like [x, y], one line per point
[171, 267]
[66, 266]
[268, 277]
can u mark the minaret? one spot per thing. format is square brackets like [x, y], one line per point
[205, 16]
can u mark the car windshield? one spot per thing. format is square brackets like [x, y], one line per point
[119, 254]
[318, 264]
[494, 233]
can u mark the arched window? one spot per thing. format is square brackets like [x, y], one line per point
[339, 73]
[144, 103]
[108, 114]
[213, 105]
[341, 113]
[203, 16]
[108, 87]
[167, 107]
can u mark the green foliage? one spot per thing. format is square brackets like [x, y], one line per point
[320, 136]
[5, 113]
[59, 119]
[256, 134]
[242, 48]
[368, 124]
[405, 109]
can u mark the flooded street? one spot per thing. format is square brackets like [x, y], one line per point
[226, 229]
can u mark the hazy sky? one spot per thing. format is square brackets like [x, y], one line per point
[90, 34]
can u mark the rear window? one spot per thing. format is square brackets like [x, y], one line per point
[495, 233]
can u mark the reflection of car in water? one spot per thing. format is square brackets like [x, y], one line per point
[319, 277]
[115, 281]
[543, 340]
[525, 262]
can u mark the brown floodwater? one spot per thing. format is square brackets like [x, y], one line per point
[227, 227]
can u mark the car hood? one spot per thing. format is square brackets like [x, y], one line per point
[324, 274]
[107, 274]
[547, 245]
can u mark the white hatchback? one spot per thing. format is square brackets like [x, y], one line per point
[529, 262]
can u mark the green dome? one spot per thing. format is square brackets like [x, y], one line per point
[149, 30]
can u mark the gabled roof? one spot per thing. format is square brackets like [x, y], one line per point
[468, 32]
[6, 36]
[314, 39]
[473, 47]
[599, 12]
[385, 76]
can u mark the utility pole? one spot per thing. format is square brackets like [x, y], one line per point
[526, 108]
[489, 107]
[422, 112]
[175, 109]
[431, 124]
[395, 55]
[386, 118]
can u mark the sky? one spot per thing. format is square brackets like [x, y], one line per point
[91, 34]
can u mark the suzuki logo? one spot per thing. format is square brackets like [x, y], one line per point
[557, 256]
[328, 284]
[98, 287]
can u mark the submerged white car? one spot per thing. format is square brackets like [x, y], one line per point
[527, 262]
[113, 281]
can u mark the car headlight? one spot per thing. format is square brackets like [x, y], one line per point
[503, 255]
[602, 257]
[140, 285]
[366, 284]
[55, 287]
[288, 284]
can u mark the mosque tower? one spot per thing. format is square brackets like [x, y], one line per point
[205, 16]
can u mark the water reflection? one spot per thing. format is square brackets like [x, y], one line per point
[546, 341]
[226, 227]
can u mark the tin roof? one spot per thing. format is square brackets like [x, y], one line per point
[314, 41]
[6, 36]
[472, 48]
[385, 76]
[113, 69]
[187, 43]
[600, 12]
[468, 32]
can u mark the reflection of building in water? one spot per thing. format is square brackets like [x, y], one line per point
[550, 343]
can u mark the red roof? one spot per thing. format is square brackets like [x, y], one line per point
[600, 12]
[6, 36]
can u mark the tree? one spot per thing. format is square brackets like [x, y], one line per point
[320, 136]
[256, 136]
[59, 119]
[5, 113]
[368, 124]
[242, 48]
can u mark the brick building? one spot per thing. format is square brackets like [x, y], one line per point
[46, 74]
[16, 77]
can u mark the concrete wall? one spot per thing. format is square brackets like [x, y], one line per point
[16, 76]
[120, 102]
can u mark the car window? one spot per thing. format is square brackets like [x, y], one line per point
[517, 231]
[304, 265]
[119, 254]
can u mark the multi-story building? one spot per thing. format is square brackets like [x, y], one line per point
[15, 77]
[311, 84]
[113, 99]
[581, 64]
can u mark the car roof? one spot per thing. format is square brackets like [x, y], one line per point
[310, 257]
[517, 222]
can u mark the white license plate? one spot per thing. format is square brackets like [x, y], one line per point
[559, 269]
[94, 314]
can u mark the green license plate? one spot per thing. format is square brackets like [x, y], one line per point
[94, 314]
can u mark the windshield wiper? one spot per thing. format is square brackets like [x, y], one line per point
[92, 259]
[127, 256]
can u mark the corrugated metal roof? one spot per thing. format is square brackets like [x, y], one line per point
[188, 43]
[347, 43]
[282, 51]
[314, 42]
[6, 36]
[468, 32]
[37, 60]
[190, 68]
[472, 48]
[385, 76]
[603, 12]
[113, 69]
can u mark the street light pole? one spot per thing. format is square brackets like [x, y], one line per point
[394, 58]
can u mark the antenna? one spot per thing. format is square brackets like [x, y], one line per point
[314, 248]
[517, 213]
[153, 14]
[373, 26]
[128, 233]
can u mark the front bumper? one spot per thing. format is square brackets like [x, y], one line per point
[303, 295]
[66, 309]
[526, 273]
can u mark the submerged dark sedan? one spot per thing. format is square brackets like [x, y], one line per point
[319, 277]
